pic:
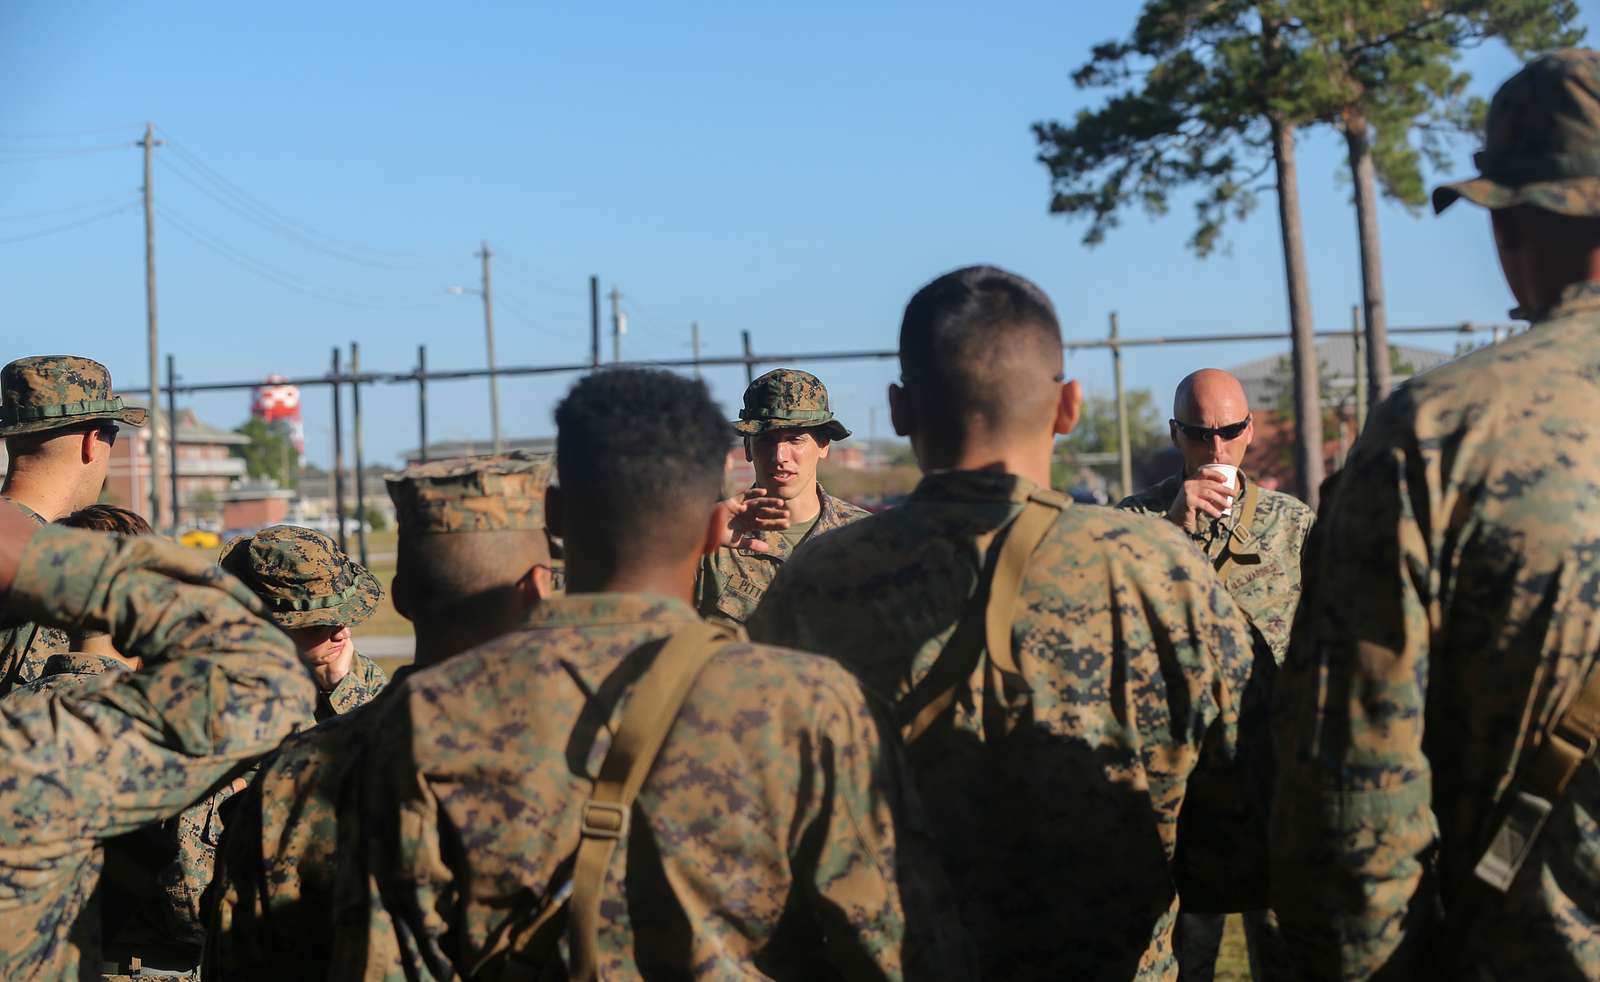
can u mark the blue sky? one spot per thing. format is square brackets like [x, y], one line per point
[795, 173]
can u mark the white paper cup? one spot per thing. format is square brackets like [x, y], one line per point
[1231, 473]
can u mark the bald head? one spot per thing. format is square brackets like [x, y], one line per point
[1208, 401]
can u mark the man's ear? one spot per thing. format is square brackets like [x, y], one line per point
[535, 585]
[716, 523]
[89, 445]
[748, 455]
[1069, 406]
[900, 414]
[555, 512]
[400, 593]
[823, 443]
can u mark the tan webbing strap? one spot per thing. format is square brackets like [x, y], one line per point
[651, 710]
[1022, 539]
[1573, 739]
[1247, 518]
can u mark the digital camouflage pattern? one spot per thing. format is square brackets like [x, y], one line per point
[775, 835]
[273, 901]
[47, 392]
[24, 645]
[787, 398]
[303, 577]
[1060, 835]
[1452, 607]
[731, 582]
[1264, 577]
[70, 670]
[478, 494]
[81, 765]
[1542, 140]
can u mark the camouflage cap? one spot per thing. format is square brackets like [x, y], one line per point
[48, 392]
[784, 399]
[473, 494]
[302, 576]
[1542, 145]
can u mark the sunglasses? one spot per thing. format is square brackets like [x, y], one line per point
[108, 433]
[1203, 434]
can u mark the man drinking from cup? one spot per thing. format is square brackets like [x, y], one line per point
[1253, 537]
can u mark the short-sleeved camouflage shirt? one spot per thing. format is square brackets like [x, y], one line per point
[1264, 573]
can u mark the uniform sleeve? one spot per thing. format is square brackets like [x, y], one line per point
[1352, 818]
[224, 685]
[864, 851]
[359, 686]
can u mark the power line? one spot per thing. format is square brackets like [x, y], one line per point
[283, 278]
[41, 233]
[55, 153]
[80, 206]
[72, 135]
[271, 214]
[277, 228]
[536, 323]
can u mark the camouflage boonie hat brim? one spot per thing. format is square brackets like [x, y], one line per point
[1542, 141]
[788, 399]
[50, 392]
[302, 577]
[474, 494]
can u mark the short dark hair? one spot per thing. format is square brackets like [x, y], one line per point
[107, 518]
[965, 339]
[640, 457]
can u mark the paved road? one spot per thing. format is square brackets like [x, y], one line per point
[387, 646]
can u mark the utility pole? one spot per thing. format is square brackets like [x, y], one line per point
[694, 342]
[355, 417]
[619, 327]
[594, 321]
[488, 331]
[1124, 451]
[149, 143]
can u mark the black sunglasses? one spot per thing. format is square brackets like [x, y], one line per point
[109, 433]
[1203, 434]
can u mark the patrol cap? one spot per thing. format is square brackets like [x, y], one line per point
[302, 576]
[1542, 140]
[787, 398]
[49, 392]
[473, 494]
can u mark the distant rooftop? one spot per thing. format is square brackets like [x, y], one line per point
[1336, 363]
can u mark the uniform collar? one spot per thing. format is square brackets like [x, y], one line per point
[1573, 299]
[984, 486]
[81, 663]
[599, 609]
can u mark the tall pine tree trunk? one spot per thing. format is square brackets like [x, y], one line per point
[1358, 140]
[1307, 403]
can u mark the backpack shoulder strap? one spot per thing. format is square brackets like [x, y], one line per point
[652, 708]
[1571, 740]
[994, 607]
[1247, 518]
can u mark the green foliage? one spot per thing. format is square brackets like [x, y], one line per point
[1200, 85]
[376, 520]
[1096, 433]
[270, 454]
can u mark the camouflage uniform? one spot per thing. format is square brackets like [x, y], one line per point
[766, 838]
[1452, 608]
[82, 765]
[1059, 835]
[41, 393]
[732, 581]
[1263, 573]
[272, 907]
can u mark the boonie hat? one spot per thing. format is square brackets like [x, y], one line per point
[303, 577]
[49, 392]
[1542, 140]
[787, 398]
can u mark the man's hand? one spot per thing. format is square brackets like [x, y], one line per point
[328, 669]
[745, 516]
[1208, 492]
